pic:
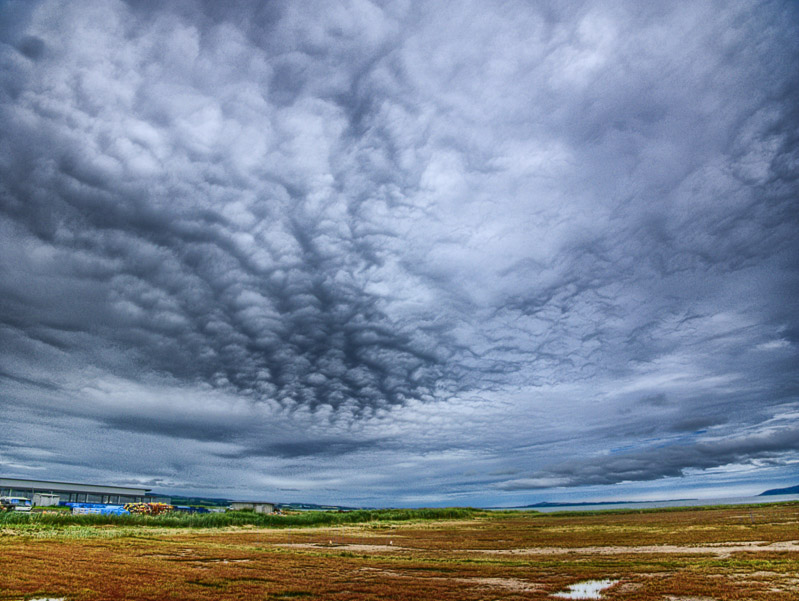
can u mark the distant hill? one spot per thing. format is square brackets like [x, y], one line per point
[315, 507]
[791, 490]
[575, 504]
[580, 504]
[214, 502]
[202, 501]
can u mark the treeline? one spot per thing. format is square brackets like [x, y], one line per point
[237, 518]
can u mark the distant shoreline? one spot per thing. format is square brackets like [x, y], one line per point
[548, 507]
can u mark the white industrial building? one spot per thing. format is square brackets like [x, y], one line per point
[50, 493]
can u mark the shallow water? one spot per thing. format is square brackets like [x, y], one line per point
[590, 589]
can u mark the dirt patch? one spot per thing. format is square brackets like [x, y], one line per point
[629, 587]
[718, 549]
[508, 584]
[223, 560]
[344, 547]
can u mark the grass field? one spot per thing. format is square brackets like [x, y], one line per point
[723, 553]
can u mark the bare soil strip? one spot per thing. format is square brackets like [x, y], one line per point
[717, 549]
[720, 550]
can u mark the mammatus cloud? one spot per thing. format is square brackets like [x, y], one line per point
[510, 236]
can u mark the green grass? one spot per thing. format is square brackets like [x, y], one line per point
[56, 509]
[36, 521]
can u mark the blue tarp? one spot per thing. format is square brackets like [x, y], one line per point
[96, 508]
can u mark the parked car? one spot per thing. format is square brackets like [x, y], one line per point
[15, 504]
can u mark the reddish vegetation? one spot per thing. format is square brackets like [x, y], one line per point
[494, 557]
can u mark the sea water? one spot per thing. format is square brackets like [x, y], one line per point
[590, 589]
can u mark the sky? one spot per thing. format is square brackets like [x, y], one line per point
[401, 253]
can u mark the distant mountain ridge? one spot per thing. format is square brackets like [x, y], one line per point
[790, 490]
[205, 501]
[218, 502]
[315, 507]
[579, 504]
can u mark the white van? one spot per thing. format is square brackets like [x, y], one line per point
[15, 504]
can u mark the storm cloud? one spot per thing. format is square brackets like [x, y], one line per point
[398, 251]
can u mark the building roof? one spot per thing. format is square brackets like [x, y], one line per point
[72, 487]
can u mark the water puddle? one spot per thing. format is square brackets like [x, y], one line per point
[590, 589]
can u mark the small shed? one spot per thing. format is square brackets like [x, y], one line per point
[45, 500]
[256, 506]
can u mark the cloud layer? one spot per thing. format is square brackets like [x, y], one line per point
[351, 249]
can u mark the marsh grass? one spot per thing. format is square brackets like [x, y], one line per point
[403, 555]
[33, 522]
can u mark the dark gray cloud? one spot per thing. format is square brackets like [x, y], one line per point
[666, 460]
[507, 236]
[314, 448]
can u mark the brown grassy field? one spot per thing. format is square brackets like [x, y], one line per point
[730, 553]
